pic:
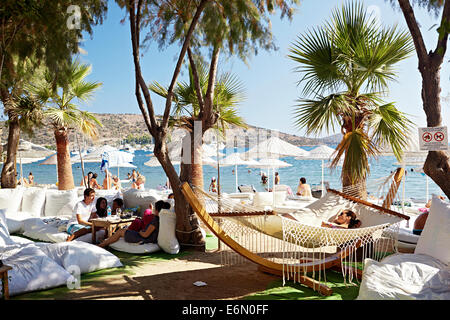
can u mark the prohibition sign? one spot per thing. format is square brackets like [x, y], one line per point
[439, 136]
[427, 137]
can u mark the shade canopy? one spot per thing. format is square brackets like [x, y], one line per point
[270, 163]
[154, 162]
[236, 159]
[50, 160]
[275, 147]
[321, 152]
[95, 155]
[118, 158]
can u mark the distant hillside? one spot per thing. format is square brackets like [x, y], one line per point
[120, 126]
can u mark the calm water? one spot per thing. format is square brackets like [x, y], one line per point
[310, 169]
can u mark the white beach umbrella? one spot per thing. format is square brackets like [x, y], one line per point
[235, 159]
[323, 153]
[270, 164]
[95, 155]
[153, 162]
[118, 159]
[274, 147]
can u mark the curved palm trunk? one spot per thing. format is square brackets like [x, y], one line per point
[9, 170]
[65, 175]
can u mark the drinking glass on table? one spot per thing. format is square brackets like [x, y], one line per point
[118, 212]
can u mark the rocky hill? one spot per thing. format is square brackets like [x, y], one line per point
[131, 127]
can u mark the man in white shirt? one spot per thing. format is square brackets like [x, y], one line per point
[82, 214]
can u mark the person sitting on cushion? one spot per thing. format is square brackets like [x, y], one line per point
[149, 235]
[101, 206]
[346, 219]
[420, 221]
[141, 223]
[83, 212]
[117, 204]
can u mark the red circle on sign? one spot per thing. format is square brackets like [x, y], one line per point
[438, 136]
[427, 137]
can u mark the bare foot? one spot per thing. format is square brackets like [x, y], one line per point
[70, 238]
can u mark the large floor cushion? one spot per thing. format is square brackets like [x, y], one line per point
[167, 239]
[15, 221]
[37, 229]
[82, 256]
[139, 198]
[124, 246]
[33, 201]
[435, 237]
[405, 276]
[11, 199]
[32, 270]
[55, 200]
[5, 238]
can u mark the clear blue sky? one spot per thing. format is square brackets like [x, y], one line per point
[269, 79]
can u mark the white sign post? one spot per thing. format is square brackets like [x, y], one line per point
[433, 139]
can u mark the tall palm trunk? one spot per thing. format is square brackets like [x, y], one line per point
[9, 170]
[65, 176]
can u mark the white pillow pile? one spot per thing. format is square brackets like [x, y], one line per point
[33, 201]
[10, 199]
[167, 239]
[32, 270]
[85, 256]
[55, 200]
[15, 221]
[5, 238]
[435, 237]
[262, 199]
[133, 198]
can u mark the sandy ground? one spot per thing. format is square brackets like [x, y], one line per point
[173, 279]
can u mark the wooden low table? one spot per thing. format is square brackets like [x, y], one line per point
[109, 224]
[4, 276]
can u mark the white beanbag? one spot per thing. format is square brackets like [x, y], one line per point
[37, 229]
[405, 277]
[99, 236]
[56, 199]
[15, 221]
[435, 237]
[5, 238]
[133, 198]
[10, 199]
[67, 209]
[124, 246]
[85, 256]
[166, 235]
[32, 270]
[262, 199]
[33, 201]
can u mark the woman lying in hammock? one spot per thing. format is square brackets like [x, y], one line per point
[346, 219]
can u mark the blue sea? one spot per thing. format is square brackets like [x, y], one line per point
[310, 169]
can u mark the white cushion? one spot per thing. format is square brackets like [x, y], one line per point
[33, 201]
[32, 270]
[405, 277]
[133, 198]
[36, 229]
[262, 199]
[435, 238]
[99, 236]
[56, 199]
[10, 199]
[85, 256]
[67, 209]
[5, 238]
[280, 197]
[167, 239]
[15, 221]
[122, 245]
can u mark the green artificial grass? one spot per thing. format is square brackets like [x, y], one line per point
[129, 261]
[296, 291]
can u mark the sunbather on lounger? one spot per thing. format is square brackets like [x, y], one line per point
[82, 214]
[148, 235]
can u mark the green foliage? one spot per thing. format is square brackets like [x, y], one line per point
[61, 110]
[346, 66]
[138, 139]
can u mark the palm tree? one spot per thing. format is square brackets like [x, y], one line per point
[64, 115]
[228, 94]
[346, 65]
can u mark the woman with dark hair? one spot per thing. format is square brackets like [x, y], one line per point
[346, 219]
[101, 205]
[147, 235]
